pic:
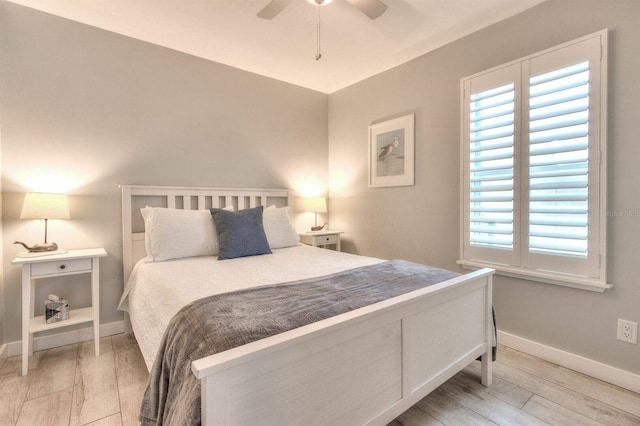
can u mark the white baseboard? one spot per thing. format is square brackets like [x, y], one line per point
[598, 370]
[3, 351]
[66, 338]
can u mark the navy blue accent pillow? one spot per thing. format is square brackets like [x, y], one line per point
[240, 233]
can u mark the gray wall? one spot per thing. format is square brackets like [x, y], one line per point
[421, 223]
[88, 110]
[98, 109]
[2, 320]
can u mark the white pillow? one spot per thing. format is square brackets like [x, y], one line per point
[278, 228]
[176, 233]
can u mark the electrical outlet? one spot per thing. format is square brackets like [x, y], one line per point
[628, 331]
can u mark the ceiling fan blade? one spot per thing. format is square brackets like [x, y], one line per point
[273, 8]
[371, 8]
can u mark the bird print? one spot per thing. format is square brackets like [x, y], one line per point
[387, 150]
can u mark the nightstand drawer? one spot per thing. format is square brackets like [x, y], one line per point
[327, 239]
[61, 267]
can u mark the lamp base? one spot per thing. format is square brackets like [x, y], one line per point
[40, 253]
[38, 248]
[317, 228]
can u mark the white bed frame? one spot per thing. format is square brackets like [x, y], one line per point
[362, 367]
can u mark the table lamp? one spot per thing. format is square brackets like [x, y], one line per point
[315, 205]
[39, 205]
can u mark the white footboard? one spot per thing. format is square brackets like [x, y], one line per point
[363, 367]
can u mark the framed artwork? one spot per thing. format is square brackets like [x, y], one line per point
[391, 152]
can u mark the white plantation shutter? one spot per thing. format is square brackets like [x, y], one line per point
[490, 133]
[559, 161]
[491, 157]
[534, 187]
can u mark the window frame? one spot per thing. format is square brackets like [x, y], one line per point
[519, 262]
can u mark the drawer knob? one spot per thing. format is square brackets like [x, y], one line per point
[63, 266]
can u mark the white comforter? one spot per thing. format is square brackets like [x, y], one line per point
[156, 291]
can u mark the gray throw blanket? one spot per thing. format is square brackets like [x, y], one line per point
[221, 322]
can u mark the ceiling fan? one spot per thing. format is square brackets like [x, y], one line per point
[371, 8]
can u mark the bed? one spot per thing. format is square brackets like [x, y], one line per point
[363, 366]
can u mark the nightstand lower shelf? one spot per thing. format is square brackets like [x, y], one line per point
[76, 316]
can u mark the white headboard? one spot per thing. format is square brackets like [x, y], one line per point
[134, 197]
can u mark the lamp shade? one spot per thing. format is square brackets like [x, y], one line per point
[315, 204]
[38, 205]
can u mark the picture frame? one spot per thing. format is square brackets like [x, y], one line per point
[391, 152]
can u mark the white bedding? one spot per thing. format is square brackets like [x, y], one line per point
[156, 291]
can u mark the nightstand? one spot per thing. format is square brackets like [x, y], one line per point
[73, 262]
[321, 238]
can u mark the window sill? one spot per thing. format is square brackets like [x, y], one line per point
[539, 276]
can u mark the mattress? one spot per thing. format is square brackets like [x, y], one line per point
[156, 291]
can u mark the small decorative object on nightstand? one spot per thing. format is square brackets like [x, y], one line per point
[321, 239]
[73, 262]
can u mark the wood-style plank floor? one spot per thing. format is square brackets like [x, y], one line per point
[70, 386]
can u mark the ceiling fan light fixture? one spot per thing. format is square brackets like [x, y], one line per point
[372, 8]
[319, 2]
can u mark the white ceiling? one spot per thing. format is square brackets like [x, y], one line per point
[354, 47]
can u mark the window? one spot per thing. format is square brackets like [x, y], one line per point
[534, 166]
